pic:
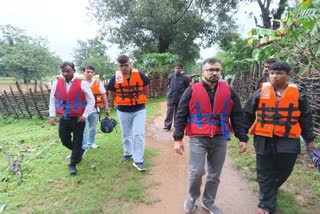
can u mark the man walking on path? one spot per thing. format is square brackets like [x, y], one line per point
[101, 101]
[283, 114]
[204, 112]
[72, 100]
[129, 89]
[177, 82]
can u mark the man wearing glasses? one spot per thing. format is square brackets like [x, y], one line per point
[208, 112]
[129, 89]
[72, 99]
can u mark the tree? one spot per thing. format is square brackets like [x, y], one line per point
[235, 55]
[24, 57]
[94, 52]
[298, 41]
[159, 26]
[156, 63]
[270, 16]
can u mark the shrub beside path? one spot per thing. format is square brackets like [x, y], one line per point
[167, 178]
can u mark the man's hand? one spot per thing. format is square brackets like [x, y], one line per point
[81, 119]
[107, 111]
[311, 145]
[178, 147]
[53, 120]
[242, 147]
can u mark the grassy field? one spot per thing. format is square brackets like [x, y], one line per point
[103, 185]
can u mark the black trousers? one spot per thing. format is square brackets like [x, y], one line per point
[273, 169]
[171, 114]
[71, 136]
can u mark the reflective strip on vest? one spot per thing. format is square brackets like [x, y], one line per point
[72, 103]
[207, 121]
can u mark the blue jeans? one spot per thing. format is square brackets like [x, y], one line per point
[214, 150]
[89, 134]
[132, 126]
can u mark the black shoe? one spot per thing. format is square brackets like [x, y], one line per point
[125, 158]
[73, 170]
[167, 128]
[139, 166]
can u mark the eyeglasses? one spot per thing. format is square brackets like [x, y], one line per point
[212, 70]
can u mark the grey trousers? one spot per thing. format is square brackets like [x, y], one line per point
[171, 114]
[212, 149]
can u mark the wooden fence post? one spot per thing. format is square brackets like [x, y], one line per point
[24, 100]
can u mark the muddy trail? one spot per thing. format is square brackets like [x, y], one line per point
[167, 179]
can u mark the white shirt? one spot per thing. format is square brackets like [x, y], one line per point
[85, 89]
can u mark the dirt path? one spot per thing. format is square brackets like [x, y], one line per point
[167, 179]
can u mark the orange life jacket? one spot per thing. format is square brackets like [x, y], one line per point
[129, 92]
[207, 120]
[71, 103]
[281, 117]
[95, 88]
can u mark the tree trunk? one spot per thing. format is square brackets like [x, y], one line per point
[266, 16]
[265, 13]
[278, 13]
[163, 45]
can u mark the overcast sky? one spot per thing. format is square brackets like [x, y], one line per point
[63, 22]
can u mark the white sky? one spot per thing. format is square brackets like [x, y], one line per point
[63, 22]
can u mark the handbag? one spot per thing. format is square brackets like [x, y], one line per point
[107, 124]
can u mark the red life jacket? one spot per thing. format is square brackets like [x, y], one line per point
[71, 103]
[205, 120]
[281, 117]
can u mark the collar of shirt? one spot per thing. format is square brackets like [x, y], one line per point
[68, 84]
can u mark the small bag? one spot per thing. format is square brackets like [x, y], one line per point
[108, 124]
[315, 157]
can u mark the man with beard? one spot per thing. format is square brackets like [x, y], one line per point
[204, 112]
[280, 113]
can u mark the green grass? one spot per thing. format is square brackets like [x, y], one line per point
[11, 80]
[7, 80]
[103, 185]
[303, 184]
